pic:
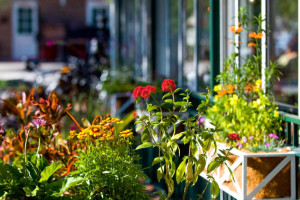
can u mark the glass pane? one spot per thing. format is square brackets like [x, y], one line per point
[284, 48]
[174, 39]
[189, 79]
[24, 20]
[204, 64]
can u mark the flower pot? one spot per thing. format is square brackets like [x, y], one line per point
[258, 175]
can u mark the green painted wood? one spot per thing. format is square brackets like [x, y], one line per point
[288, 133]
[290, 118]
[296, 135]
[214, 29]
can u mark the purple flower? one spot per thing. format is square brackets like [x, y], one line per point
[250, 137]
[39, 122]
[244, 139]
[239, 145]
[201, 121]
[267, 144]
[273, 136]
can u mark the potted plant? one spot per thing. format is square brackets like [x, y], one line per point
[252, 114]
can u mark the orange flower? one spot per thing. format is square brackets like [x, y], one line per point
[236, 31]
[251, 44]
[240, 42]
[259, 36]
[249, 88]
[65, 70]
[230, 88]
[256, 36]
[223, 92]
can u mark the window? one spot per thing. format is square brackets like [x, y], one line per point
[24, 21]
[283, 48]
[204, 45]
[100, 17]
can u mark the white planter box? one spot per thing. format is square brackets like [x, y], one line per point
[258, 175]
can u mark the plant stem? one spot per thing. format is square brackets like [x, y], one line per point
[25, 147]
[38, 149]
[204, 189]
[185, 189]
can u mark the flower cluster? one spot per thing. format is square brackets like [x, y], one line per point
[102, 131]
[144, 92]
[226, 89]
[168, 85]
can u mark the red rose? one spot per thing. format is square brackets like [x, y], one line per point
[146, 92]
[137, 92]
[233, 136]
[168, 85]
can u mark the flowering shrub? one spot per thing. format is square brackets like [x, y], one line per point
[106, 168]
[159, 130]
[250, 108]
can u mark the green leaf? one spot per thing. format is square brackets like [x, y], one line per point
[180, 171]
[157, 160]
[85, 122]
[160, 172]
[166, 95]
[231, 173]
[50, 170]
[139, 127]
[177, 90]
[145, 145]
[212, 166]
[145, 136]
[177, 136]
[214, 190]
[200, 165]
[70, 182]
[169, 101]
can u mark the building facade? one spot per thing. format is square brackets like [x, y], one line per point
[43, 29]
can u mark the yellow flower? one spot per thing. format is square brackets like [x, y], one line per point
[276, 114]
[117, 120]
[73, 134]
[256, 103]
[217, 98]
[234, 100]
[215, 108]
[258, 82]
[126, 133]
[217, 88]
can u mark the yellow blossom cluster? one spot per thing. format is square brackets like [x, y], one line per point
[102, 131]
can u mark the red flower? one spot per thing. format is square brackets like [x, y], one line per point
[137, 92]
[168, 85]
[146, 92]
[233, 136]
[134, 115]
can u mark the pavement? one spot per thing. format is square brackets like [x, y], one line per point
[45, 74]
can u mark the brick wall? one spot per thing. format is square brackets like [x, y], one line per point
[71, 15]
[5, 33]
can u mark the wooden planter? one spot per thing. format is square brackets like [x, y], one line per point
[258, 175]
